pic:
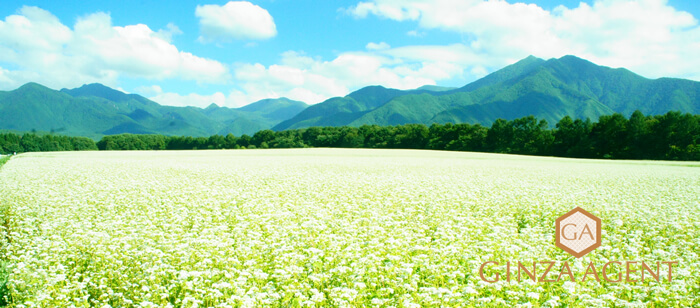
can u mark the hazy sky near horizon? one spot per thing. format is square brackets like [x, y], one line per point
[234, 53]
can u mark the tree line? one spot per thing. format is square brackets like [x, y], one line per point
[15, 143]
[671, 136]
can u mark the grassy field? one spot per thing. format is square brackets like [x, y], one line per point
[4, 159]
[333, 227]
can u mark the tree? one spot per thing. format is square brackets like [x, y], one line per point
[610, 136]
[155, 142]
[263, 136]
[48, 143]
[638, 135]
[530, 136]
[678, 134]
[30, 143]
[571, 138]
[230, 142]
[83, 144]
[411, 136]
[310, 135]
[351, 138]
[375, 136]
[469, 138]
[216, 142]
[499, 137]
[244, 141]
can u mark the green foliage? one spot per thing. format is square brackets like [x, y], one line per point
[571, 138]
[4, 278]
[4, 160]
[672, 136]
[14, 143]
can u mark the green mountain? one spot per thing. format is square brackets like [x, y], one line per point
[339, 111]
[95, 110]
[436, 88]
[547, 89]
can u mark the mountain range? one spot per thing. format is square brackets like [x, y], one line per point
[548, 89]
[95, 110]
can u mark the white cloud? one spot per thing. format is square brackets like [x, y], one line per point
[170, 30]
[377, 46]
[149, 90]
[648, 36]
[39, 48]
[310, 80]
[415, 33]
[234, 20]
[313, 80]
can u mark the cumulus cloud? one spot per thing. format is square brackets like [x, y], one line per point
[415, 33]
[300, 77]
[377, 46]
[149, 90]
[234, 20]
[649, 37]
[170, 30]
[40, 48]
[313, 80]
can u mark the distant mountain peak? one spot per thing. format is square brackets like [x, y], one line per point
[95, 85]
[530, 59]
[97, 90]
[105, 92]
[271, 104]
[511, 71]
[570, 59]
[32, 86]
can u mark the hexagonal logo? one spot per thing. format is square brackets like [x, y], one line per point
[578, 232]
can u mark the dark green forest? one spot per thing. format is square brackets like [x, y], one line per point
[31, 142]
[671, 136]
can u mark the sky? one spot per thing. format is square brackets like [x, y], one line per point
[194, 53]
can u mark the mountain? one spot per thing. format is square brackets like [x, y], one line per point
[547, 89]
[339, 111]
[433, 88]
[95, 110]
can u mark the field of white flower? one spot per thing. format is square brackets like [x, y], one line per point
[334, 227]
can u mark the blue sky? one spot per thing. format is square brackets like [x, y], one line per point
[234, 53]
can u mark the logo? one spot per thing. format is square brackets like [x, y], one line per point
[578, 232]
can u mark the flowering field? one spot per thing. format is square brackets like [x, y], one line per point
[333, 227]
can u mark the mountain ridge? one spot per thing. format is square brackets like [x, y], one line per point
[548, 89]
[95, 110]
